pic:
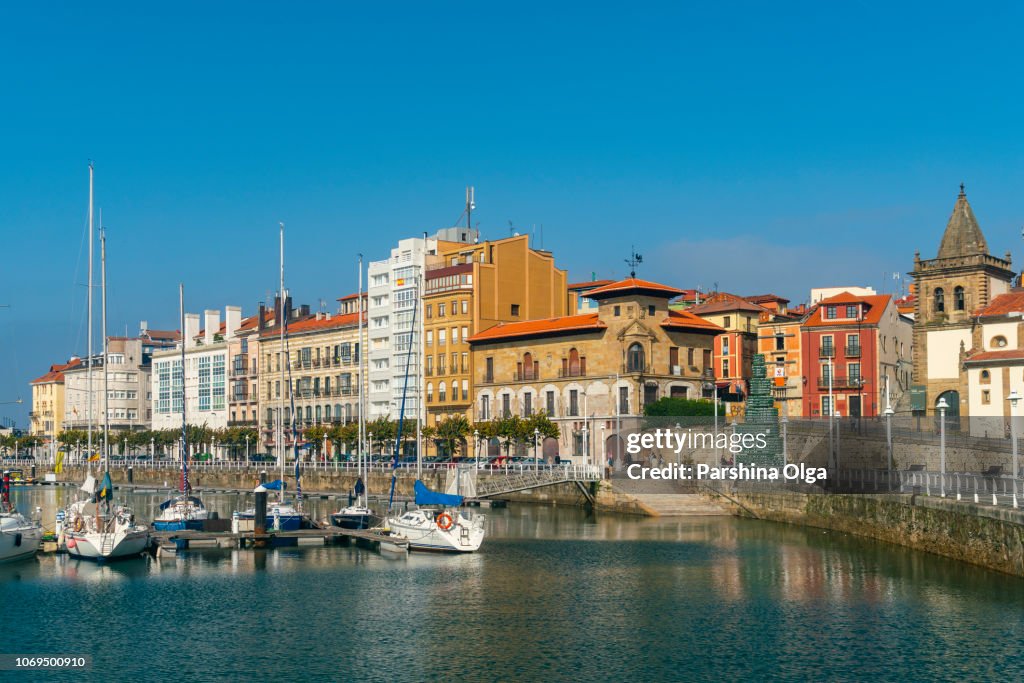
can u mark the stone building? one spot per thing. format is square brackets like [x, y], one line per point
[586, 370]
[962, 278]
[993, 366]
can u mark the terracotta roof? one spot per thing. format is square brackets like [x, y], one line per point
[633, 284]
[310, 324]
[349, 297]
[1003, 304]
[56, 373]
[876, 304]
[731, 303]
[529, 328]
[995, 356]
[591, 284]
[172, 335]
[687, 320]
[761, 298]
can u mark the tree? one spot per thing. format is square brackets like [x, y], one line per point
[383, 431]
[452, 431]
[508, 430]
[315, 435]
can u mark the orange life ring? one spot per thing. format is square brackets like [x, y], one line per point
[78, 524]
[444, 521]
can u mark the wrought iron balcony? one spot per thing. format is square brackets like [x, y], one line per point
[827, 351]
[841, 382]
[572, 372]
[853, 350]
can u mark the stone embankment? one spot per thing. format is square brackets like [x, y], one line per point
[982, 535]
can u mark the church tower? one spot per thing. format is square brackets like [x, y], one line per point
[963, 278]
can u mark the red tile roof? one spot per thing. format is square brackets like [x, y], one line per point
[994, 356]
[529, 328]
[723, 303]
[1011, 302]
[56, 373]
[173, 335]
[311, 324]
[590, 284]
[761, 298]
[687, 320]
[633, 284]
[875, 307]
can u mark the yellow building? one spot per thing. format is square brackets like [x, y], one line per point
[588, 371]
[471, 288]
[47, 416]
[322, 378]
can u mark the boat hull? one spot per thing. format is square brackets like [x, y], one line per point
[92, 546]
[19, 544]
[178, 525]
[277, 522]
[422, 533]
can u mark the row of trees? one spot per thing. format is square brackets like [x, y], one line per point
[162, 439]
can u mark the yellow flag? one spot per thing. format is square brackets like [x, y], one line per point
[95, 457]
[58, 466]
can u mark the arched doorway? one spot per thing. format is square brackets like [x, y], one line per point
[613, 447]
[549, 449]
[952, 398]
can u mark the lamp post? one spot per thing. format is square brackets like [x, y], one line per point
[152, 448]
[838, 422]
[536, 443]
[1014, 397]
[785, 454]
[942, 405]
[476, 446]
[124, 447]
[604, 450]
[369, 450]
[247, 448]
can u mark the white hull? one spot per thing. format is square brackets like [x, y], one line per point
[19, 538]
[420, 529]
[101, 546]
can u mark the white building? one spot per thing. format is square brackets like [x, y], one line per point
[206, 363]
[820, 293]
[394, 346]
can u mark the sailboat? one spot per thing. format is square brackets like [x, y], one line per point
[184, 511]
[91, 532]
[357, 514]
[283, 515]
[19, 536]
[432, 527]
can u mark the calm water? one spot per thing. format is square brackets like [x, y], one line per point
[554, 595]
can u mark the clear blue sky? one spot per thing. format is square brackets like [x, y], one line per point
[762, 146]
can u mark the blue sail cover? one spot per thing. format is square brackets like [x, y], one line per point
[275, 485]
[425, 496]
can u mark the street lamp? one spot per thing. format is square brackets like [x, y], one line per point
[1014, 397]
[888, 413]
[942, 405]
[838, 448]
[785, 454]
[536, 448]
[369, 448]
[247, 448]
[476, 446]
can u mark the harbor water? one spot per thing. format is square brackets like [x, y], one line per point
[554, 594]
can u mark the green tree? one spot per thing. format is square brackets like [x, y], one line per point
[315, 435]
[452, 432]
[383, 431]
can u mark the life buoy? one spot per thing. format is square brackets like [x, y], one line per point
[79, 525]
[444, 521]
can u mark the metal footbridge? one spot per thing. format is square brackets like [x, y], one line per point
[514, 480]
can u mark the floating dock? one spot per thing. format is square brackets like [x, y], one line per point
[168, 542]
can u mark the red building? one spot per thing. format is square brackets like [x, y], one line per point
[851, 343]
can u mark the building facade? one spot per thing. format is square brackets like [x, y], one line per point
[585, 371]
[47, 417]
[962, 278]
[472, 288]
[779, 341]
[853, 345]
[128, 388]
[993, 367]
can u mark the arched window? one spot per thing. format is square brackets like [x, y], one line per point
[327, 413]
[337, 411]
[999, 342]
[348, 412]
[527, 367]
[958, 298]
[430, 392]
[635, 358]
[574, 362]
[319, 416]
[440, 392]
[940, 300]
[309, 413]
[455, 390]
[986, 378]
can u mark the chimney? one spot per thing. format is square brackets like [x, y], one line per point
[327, 315]
[212, 323]
[303, 311]
[319, 315]
[143, 328]
[277, 310]
[288, 307]
[260, 325]
[191, 329]
[232, 320]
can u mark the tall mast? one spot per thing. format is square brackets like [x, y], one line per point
[103, 326]
[185, 486]
[287, 360]
[362, 352]
[417, 332]
[89, 341]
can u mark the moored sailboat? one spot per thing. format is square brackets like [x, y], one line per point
[19, 536]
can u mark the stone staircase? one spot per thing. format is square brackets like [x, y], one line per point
[668, 498]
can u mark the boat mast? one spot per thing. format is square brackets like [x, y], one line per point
[185, 486]
[361, 351]
[287, 361]
[106, 356]
[88, 287]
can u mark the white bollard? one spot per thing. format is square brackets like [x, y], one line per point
[994, 501]
[1015, 501]
[975, 496]
[958, 496]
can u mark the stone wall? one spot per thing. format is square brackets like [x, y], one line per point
[990, 537]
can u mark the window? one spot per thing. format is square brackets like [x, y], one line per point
[830, 312]
[623, 400]
[455, 391]
[465, 307]
[635, 358]
[440, 363]
[465, 332]
[853, 370]
[999, 342]
[673, 358]
[986, 377]
[454, 369]
[574, 407]
[430, 311]
[986, 396]
[826, 372]
[725, 345]
[441, 337]
[852, 311]
[725, 367]
[826, 405]
[528, 405]
[506, 405]
[485, 407]
[650, 309]
[465, 390]
[515, 310]
[489, 369]
[441, 392]
[958, 298]
[827, 349]
[940, 300]
[617, 311]
[430, 337]
[430, 366]
[727, 321]
[465, 362]
[440, 310]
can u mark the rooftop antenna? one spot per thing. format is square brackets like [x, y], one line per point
[470, 205]
[511, 228]
[633, 261]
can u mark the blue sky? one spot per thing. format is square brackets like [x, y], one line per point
[762, 146]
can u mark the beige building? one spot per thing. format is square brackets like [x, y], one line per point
[962, 278]
[319, 372]
[47, 416]
[471, 289]
[994, 367]
[586, 370]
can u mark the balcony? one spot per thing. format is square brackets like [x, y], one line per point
[243, 423]
[852, 351]
[525, 375]
[489, 378]
[572, 372]
[827, 351]
[854, 382]
[629, 368]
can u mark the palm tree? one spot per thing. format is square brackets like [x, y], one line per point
[453, 431]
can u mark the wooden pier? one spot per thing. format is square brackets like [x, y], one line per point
[171, 541]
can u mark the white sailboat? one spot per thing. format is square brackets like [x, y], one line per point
[184, 511]
[19, 535]
[358, 514]
[90, 532]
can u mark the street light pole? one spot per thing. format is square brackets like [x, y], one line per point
[536, 442]
[831, 412]
[889, 412]
[476, 446]
[1014, 397]
[942, 405]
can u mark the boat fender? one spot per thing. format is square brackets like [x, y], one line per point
[444, 521]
